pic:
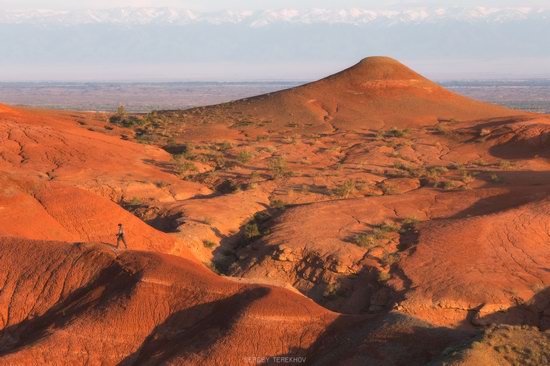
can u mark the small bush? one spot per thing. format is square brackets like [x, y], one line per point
[225, 146]
[408, 224]
[251, 231]
[334, 290]
[384, 276]
[495, 178]
[466, 177]
[277, 204]
[504, 164]
[279, 168]
[366, 240]
[244, 123]
[481, 162]
[455, 166]
[390, 259]
[372, 239]
[395, 132]
[436, 171]
[185, 168]
[135, 201]
[227, 186]
[161, 184]
[442, 129]
[387, 190]
[345, 189]
[208, 244]
[243, 157]
[448, 185]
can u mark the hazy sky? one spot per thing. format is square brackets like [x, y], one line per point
[258, 4]
[65, 47]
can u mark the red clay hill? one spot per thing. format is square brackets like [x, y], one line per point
[378, 92]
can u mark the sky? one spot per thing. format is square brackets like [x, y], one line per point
[270, 44]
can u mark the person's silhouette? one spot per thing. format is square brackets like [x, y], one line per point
[120, 237]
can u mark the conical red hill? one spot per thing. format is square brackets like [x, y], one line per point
[378, 92]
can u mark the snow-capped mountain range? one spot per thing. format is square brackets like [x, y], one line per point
[171, 43]
[354, 16]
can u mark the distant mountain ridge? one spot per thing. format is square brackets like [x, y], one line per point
[182, 44]
[355, 16]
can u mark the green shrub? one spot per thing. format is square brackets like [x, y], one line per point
[408, 224]
[277, 204]
[366, 240]
[395, 132]
[279, 168]
[334, 290]
[495, 178]
[251, 231]
[436, 171]
[183, 168]
[371, 240]
[135, 201]
[227, 186]
[384, 276]
[208, 244]
[243, 157]
[345, 189]
[225, 146]
[504, 164]
[448, 185]
[390, 259]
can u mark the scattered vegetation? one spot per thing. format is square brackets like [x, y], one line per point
[384, 276]
[244, 157]
[225, 146]
[228, 186]
[371, 240]
[122, 118]
[277, 204]
[495, 178]
[334, 290]
[504, 164]
[208, 244]
[395, 132]
[345, 189]
[443, 129]
[184, 168]
[389, 259]
[279, 167]
[243, 123]
[387, 190]
[135, 201]
[408, 224]
[251, 230]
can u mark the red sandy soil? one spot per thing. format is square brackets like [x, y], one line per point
[369, 218]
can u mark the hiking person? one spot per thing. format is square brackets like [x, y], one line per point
[120, 237]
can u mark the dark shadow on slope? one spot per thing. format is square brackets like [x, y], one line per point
[528, 148]
[535, 312]
[389, 339]
[193, 330]
[501, 121]
[112, 282]
[515, 197]
[166, 167]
